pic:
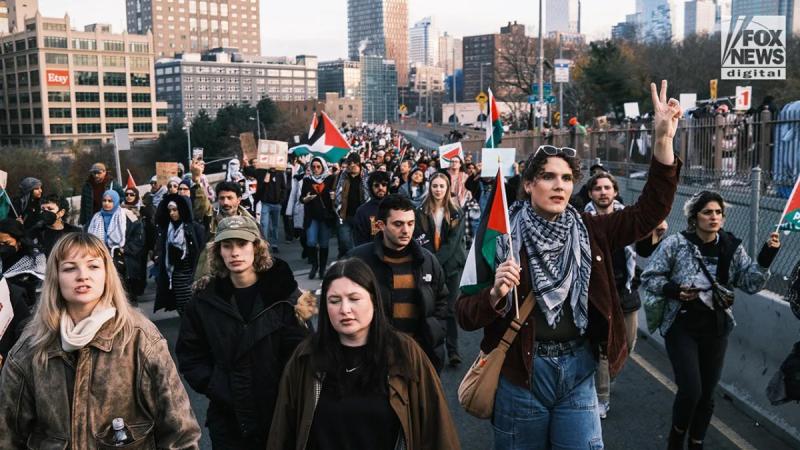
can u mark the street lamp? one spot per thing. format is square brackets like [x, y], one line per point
[187, 122]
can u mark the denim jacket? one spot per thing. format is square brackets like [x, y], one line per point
[675, 260]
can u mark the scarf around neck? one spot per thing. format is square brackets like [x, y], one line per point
[176, 237]
[317, 179]
[559, 260]
[76, 336]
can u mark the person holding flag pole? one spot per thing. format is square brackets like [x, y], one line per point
[545, 395]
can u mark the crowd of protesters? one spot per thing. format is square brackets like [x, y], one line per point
[365, 373]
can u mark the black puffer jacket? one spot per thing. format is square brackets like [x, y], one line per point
[237, 364]
[430, 280]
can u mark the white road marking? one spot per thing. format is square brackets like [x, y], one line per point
[726, 431]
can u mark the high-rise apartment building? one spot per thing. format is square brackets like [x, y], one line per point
[483, 55]
[340, 76]
[61, 85]
[192, 26]
[699, 17]
[379, 28]
[659, 20]
[423, 43]
[563, 16]
[788, 8]
[451, 54]
[219, 77]
[378, 89]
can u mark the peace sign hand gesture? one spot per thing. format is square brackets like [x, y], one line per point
[667, 113]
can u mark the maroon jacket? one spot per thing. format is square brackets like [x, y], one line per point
[606, 324]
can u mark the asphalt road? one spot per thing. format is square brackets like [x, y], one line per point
[641, 400]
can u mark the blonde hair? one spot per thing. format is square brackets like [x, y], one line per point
[45, 324]
[429, 204]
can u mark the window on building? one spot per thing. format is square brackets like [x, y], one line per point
[116, 97]
[87, 97]
[192, 6]
[140, 79]
[33, 59]
[114, 79]
[86, 78]
[89, 128]
[116, 112]
[87, 112]
[60, 128]
[203, 7]
[110, 127]
[146, 127]
[34, 78]
[56, 58]
[58, 96]
[36, 97]
[138, 63]
[139, 47]
[59, 113]
[113, 61]
[140, 98]
[84, 44]
[49, 26]
[85, 60]
[22, 79]
[21, 61]
[114, 46]
[55, 42]
[11, 80]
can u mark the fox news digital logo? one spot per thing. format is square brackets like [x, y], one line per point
[754, 48]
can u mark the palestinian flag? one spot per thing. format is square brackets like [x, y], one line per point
[790, 219]
[326, 140]
[131, 184]
[479, 270]
[313, 126]
[494, 126]
[448, 152]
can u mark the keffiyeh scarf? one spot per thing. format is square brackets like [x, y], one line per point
[559, 260]
[176, 238]
[114, 235]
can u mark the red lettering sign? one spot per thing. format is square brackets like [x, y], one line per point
[58, 77]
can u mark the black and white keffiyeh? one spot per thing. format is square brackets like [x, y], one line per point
[559, 260]
[176, 238]
[31, 264]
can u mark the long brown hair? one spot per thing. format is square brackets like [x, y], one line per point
[429, 204]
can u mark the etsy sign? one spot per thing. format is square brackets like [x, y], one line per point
[58, 77]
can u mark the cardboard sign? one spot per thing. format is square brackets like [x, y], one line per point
[744, 97]
[272, 154]
[197, 153]
[58, 77]
[122, 140]
[492, 158]
[688, 101]
[448, 152]
[248, 141]
[631, 110]
[165, 171]
[3, 178]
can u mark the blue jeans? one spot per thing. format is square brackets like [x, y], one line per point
[270, 218]
[559, 411]
[345, 237]
[318, 233]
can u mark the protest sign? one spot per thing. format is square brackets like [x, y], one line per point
[448, 152]
[3, 178]
[272, 154]
[492, 158]
[197, 153]
[165, 171]
[249, 149]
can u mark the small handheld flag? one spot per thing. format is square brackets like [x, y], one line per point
[790, 218]
[130, 184]
[494, 126]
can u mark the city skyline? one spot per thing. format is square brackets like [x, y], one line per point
[326, 32]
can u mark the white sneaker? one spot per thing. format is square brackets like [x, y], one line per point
[603, 408]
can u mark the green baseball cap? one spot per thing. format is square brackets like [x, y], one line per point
[237, 227]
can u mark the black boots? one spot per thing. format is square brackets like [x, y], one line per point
[323, 261]
[312, 258]
[676, 439]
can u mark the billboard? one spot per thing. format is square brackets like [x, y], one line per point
[57, 77]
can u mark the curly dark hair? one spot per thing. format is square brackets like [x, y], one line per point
[534, 167]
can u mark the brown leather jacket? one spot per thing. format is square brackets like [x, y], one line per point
[417, 400]
[607, 233]
[136, 381]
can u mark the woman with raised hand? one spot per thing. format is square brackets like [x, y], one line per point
[686, 274]
[83, 332]
[358, 383]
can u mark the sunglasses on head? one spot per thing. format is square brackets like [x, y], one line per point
[551, 150]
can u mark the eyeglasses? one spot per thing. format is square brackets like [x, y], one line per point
[380, 184]
[183, 188]
[172, 186]
[551, 150]
[130, 194]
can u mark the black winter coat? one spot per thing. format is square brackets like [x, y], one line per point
[21, 316]
[195, 241]
[87, 198]
[364, 220]
[321, 206]
[452, 254]
[275, 191]
[237, 364]
[430, 280]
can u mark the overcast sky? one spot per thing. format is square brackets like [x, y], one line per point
[319, 27]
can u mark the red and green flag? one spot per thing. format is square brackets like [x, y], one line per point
[494, 126]
[480, 267]
[790, 219]
[327, 141]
